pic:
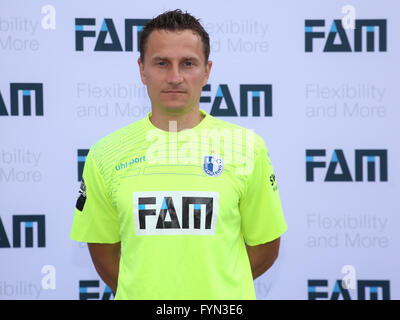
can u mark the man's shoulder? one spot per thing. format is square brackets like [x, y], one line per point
[244, 134]
[115, 142]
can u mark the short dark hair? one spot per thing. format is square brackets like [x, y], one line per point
[175, 20]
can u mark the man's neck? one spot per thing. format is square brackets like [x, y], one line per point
[174, 122]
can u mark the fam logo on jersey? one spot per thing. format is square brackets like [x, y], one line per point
[338, 168]
[28, 221]
[378, 290]
[213, 165]
[223, 105]
[338, 39]
[107, 32]
[25, 93]
[85, 294]
[175, 212]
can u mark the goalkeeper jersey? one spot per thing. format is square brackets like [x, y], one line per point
[183, 205]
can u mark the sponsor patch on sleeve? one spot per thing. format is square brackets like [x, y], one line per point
[272, 180]
[80, 203]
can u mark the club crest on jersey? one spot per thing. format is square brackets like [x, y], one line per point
[213, 165]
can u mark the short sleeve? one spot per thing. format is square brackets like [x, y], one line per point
[260, 206]
[95, 219]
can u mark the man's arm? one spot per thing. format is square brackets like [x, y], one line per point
[105, 258]
[263, 256]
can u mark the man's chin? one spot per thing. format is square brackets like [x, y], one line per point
[174, 109]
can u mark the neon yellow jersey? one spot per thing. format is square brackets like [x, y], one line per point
[183, 205]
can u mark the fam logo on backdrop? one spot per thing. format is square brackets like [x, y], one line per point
[223, 105]
[378, 290]
[85, 294]
[23, 94]
[82, 154]
[338, 168]
[28, 221]
[108, 38]
[337, 39]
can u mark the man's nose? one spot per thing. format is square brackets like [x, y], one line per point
[175, 75]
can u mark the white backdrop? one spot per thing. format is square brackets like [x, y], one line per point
[324, 101]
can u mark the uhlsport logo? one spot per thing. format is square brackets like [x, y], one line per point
[223, 105]
[213, 165]
[85, 294]
[27, 221]
[338, 168]
[130, 163]
[84, 28]
[82, 154]
[366, 290]
[25, 93]
[175, 212]
[337, 31]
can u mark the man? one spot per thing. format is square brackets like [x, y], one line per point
[167, 212]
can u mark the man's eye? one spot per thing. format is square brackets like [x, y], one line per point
[161, 63]
[188, 64]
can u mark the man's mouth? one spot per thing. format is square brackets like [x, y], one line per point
[173, 91]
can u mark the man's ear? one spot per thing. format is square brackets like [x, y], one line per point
[141, 70]
[207, 73]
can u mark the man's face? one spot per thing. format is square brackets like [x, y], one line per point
[174, 70]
